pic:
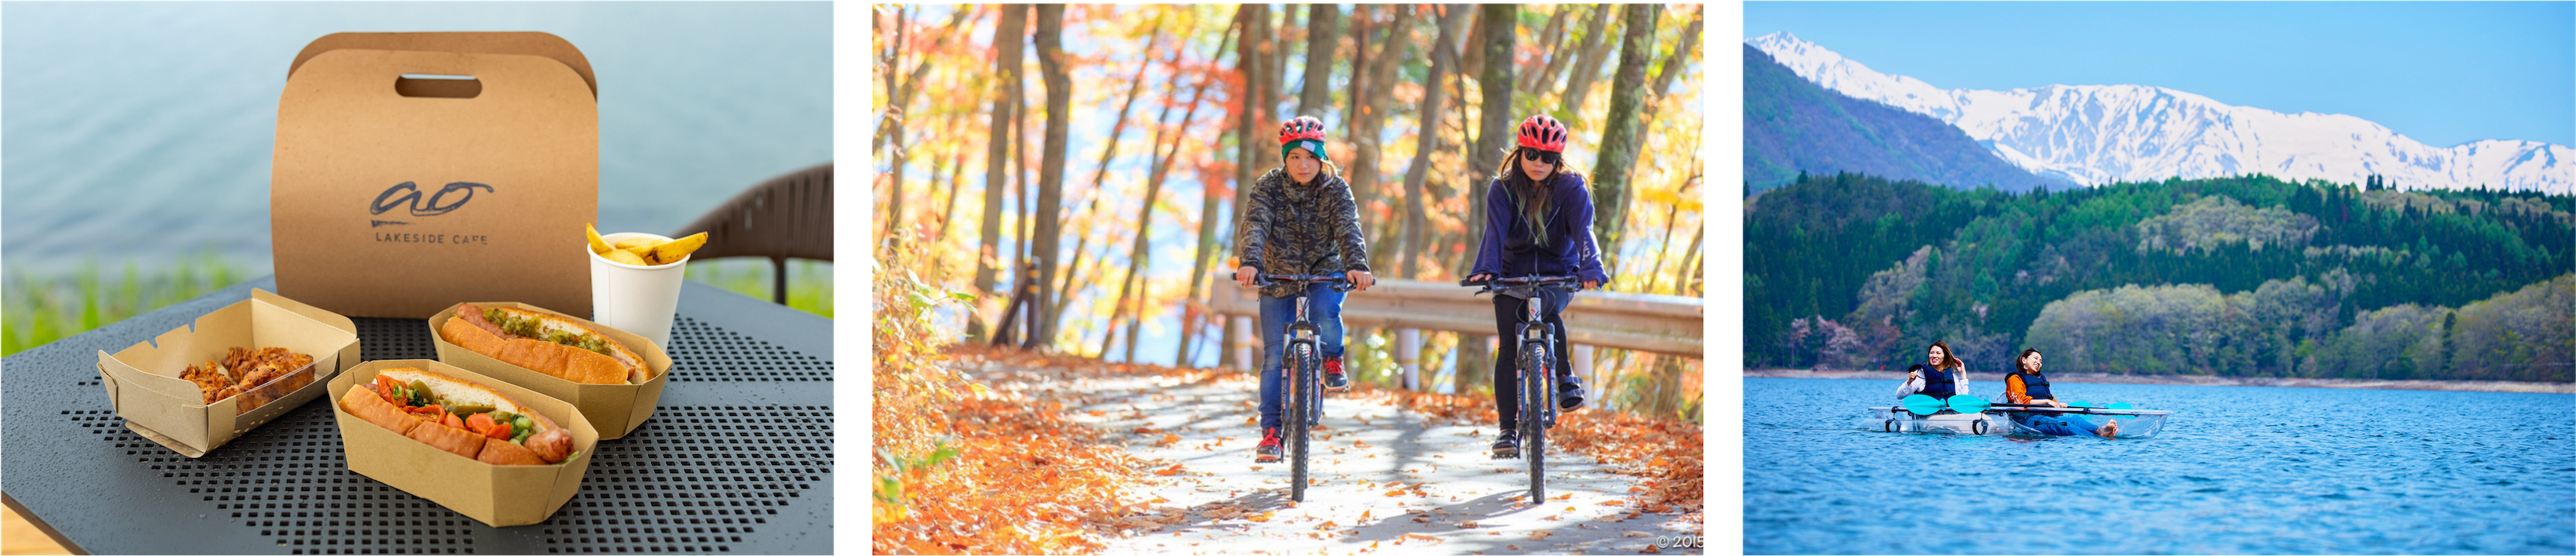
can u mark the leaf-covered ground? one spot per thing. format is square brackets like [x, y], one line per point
[1074, 455]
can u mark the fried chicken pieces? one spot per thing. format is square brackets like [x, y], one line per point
[246, 370]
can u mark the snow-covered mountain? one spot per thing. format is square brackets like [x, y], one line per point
[2097, 134]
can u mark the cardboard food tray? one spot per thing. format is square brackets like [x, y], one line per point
[614, 409]
[143, 381]
[497, 495]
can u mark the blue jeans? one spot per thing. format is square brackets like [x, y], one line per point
[2069, 425]
[1324, 308]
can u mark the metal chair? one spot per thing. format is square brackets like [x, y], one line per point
[787, 216]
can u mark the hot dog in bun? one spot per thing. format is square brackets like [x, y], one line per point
[545, 343]
[461, 417]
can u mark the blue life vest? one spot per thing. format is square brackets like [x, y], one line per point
[2035, 385]
[1937, 383]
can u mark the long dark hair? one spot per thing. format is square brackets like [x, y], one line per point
[1531, 196]
[2023, 361]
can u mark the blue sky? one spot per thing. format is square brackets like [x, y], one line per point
[2443, 73]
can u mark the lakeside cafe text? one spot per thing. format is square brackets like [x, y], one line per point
[448, 239]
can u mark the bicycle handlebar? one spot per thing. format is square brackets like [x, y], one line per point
[1490, 283]
[1338, 281]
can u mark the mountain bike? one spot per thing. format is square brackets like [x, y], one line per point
[1537, 369]
[1303, 360]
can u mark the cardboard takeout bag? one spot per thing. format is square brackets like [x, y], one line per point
[417, 170]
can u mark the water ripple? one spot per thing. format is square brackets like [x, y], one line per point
[2235, 470]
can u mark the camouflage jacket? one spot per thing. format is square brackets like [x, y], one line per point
[1301, 229]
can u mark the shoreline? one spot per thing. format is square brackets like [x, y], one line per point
[2184, 380]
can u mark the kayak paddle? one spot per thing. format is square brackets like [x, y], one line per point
[1921, 404]
[1969, 404]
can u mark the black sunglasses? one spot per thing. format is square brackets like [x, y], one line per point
[1541, 156]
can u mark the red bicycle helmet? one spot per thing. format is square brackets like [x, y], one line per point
[1304, 127]
[1543, 133]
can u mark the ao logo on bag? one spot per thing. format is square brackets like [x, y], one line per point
[408, 196]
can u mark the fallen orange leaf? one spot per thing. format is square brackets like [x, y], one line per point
[1175, 469]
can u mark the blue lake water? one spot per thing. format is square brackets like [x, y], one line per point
[144, 131]
[2235, 470]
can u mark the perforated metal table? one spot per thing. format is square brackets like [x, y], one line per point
[738, 458]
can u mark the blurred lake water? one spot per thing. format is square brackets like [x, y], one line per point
[143, 132]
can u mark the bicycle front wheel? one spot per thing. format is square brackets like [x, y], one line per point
[1537, 402]
[1301, 394]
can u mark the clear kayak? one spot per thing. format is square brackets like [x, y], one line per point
[2008, 419]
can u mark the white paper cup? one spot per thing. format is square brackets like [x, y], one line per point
[637, 299]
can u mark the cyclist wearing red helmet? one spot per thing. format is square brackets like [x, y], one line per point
[1538, 222]
[1300, 220]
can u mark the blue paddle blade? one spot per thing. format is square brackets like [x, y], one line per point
[2119, 405]
[1920, 404]
[1969, 404]
[2079, 404]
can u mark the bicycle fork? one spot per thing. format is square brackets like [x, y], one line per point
[1544, 370]
[1304, 347]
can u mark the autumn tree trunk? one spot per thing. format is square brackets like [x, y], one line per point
[898, 115]
[1494, 134]
[1596, 45]
[1620, 137]
[956, 180]
[1682, 49]
[1254, 22]
[1138, 256]
[1145, 212]
[1193, 308]
[1367, 121]
[1007, 39]
[892, 129]
[1551, 43]
[1443, 56]
[1059, 91]
[1100, 176]
[1361, 25]
[1323, 35]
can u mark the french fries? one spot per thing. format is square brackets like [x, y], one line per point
[678, 248]
[644, 251]
[627, 257]
[597, 245]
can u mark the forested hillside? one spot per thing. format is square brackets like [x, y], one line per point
[2242, 276]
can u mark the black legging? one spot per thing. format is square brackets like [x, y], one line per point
[1508, 312]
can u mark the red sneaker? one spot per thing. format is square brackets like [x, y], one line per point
[1268, 451]
[1334, 380]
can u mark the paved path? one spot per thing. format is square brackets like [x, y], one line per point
[1388, 480]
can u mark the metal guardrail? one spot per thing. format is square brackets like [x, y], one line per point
[1666, 324]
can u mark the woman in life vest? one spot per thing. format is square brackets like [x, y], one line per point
[1939, 376]
[1538, 222]
[1301, 220]
[2026, 385]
